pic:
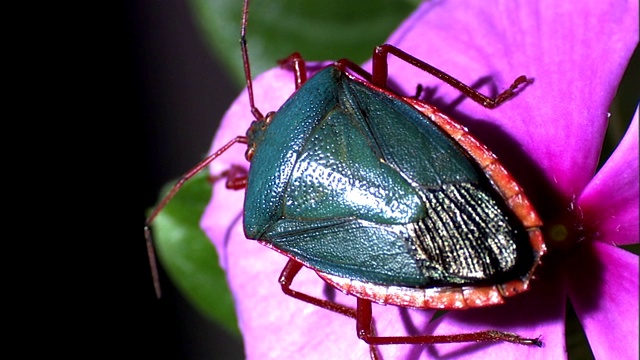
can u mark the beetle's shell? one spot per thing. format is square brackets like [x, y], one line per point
[359, 184]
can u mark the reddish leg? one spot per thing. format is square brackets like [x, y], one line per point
[286, 278]
[348, 64]
[188, 175]
[298, 66]
[236, 177]
[364, 321]
[380, 74]
[365, 324]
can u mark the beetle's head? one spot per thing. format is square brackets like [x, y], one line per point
[255, 134]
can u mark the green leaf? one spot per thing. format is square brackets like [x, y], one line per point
[189, 257]
[317, 29]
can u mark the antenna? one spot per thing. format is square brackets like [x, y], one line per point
[245, 60]
[206, 161]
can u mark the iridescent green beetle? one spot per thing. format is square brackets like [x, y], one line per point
[360, 186]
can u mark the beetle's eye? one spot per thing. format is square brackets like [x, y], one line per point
[269, 117]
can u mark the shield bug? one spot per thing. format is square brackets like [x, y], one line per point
[383, 196]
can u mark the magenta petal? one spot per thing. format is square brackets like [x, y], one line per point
[610, 201]
[603, 287]
[576, 52]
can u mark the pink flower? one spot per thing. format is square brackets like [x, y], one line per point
[549, 137]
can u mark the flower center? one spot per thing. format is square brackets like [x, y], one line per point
[558, 232]
[564, 232]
